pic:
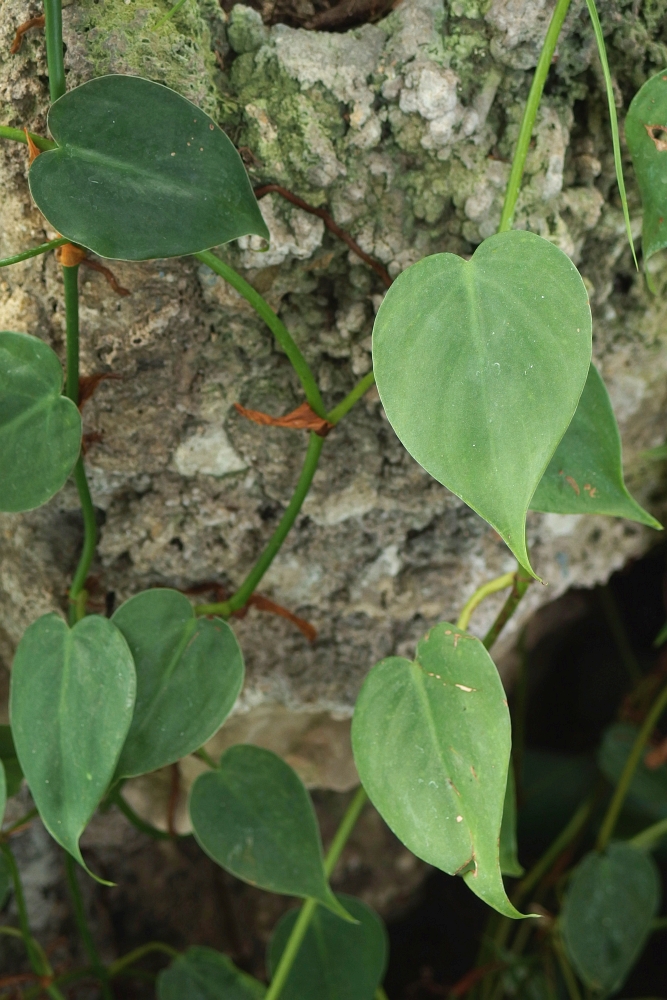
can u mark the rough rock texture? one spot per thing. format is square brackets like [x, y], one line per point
[404, 130]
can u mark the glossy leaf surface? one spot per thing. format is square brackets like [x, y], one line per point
[648, 788]
[255, 818]
[189, 674]
[140, 173]
[606, 918]
[13, 772]
[205, 974]
[509, 858]
[71, 698]
[336, 958]
[646, 136]
[480, 365]
[40, 430]
[431, 741]
[585, 475]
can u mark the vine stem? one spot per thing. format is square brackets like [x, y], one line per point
[651, 836]
[529, 115]
[627, 774]
[240, 598]
[77, 595]
[81, 922]
[274, 323]
[18, 135]
[53, 30]
[500, 583]
[134, 956]
[33, 252]
[308, 909]
[521, 584]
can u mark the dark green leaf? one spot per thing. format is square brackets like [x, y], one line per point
[40, 430]
[648, 788]
[140, 172]
[480, 365]
[5, 880]
[646, 136]
[606, 918]
[205, 974]
[509, 859]
[585, 475]
[336, 959]
[13, 772]
[431, 741]
[71, 698]
[255, 818]
[189, 674]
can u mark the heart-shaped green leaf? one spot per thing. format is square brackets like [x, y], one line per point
[254, 817]
[71, 699]
[509, 857]
[480, 365]
[431, 741]
[189, 674]
[585, 475]
[648, 788]
[140, 172]
[13, 772]
[336, 959]
[205, 974]
[40, 430]
[606, 918]
[646, 136]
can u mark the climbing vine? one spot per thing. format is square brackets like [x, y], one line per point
[484, 370]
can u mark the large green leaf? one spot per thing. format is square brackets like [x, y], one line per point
[509, 857]
[336, 959]
[585, 475]
[71, 698]
[140, 172]
[40, 430]
[646, 136]
[254, 817]
[205, 974]
[13, 772]
[189, 674]
[480, 365]
[606, 918]
[431, 741]
[648, 788]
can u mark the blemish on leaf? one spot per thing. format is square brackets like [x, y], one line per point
[462, 687]
[658, 133]
[573, 483]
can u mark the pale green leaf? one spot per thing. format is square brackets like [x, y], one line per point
[431, 740]
[480, 365]
[646, 136]
[509, 858]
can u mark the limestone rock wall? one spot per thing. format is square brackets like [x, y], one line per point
[404, 130]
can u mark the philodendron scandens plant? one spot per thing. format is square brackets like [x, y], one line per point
[484, 370]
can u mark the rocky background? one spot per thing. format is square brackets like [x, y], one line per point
[402, 128]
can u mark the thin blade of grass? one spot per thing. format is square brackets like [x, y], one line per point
[169, 14]
[599, 38]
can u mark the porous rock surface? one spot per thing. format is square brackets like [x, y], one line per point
[403, 130]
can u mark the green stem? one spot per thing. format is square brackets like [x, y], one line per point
[616, 626]
[651, 836]
[627, 774]
[136, 821]
[569, 977]
[500, 583]
[240, 598]
[18, 135]
[134, 956]
[53, 30]
[659, 924]
[553, 852]
[77, 595]
[274, 323]
[360, 389]
[529, 115]
[521, 583]
[81, 922]
[308, 909]
[206, 757]
[38, 960]
[33, 252]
